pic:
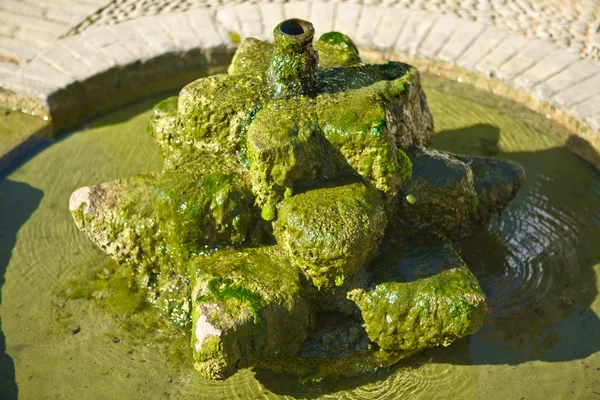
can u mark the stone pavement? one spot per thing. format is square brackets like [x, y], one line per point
[77, 73]
[570, 24]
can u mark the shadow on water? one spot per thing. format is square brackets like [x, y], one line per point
[17, 202]
[535, 262]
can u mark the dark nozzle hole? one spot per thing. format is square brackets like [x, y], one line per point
[292, 27]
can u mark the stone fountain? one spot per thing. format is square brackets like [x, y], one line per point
[299, 222]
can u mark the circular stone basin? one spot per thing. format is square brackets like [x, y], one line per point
[73, 328]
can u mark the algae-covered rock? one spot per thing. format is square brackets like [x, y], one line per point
[421, 295]
[247, 305]
[204, 202]
[252, 57]
[336, 50]
[162, 125]
[118, 217]
[331, 232]
[441, 193]
[214, 112]
[285, 146]
[266, 230]
[457, 195]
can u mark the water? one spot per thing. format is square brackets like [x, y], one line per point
[538, 262]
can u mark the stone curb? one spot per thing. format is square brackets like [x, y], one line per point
[108, 66]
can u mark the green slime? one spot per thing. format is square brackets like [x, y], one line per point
[514, 352]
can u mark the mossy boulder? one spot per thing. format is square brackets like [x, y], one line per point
[331, 232]
[421, 295]
[441, 193]
[336, 50]
[456, 195]
[213, 113]
[247, 305]
[285, 148]
[204, 202]
[496, 184]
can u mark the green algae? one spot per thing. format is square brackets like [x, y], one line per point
[325, 154]
[336, 50]
[475, 375]
[203, 203]
[331, 232]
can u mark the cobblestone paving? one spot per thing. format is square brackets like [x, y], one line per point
[29, 26]
[571, 24]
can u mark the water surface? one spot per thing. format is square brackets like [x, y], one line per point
[538, 262]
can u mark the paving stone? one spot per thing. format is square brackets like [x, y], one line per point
[16, 50]
[211, 34]
[321, 16]
[152, 33]
[438, 36]
[465, 33]
[483, 45]
[552, 64]
[38, 23]
[368, 25]
[226, 17]
[38, 40]
[20, 7]
[177, 27]
[78, 46]
[578, 93]
[66, 16]
[99, 36]
[36, 89]
[587, 108]
[272, 15]
[40, 70]
[66, 62]
[8, 30]
[391, 25]
[8, 67]
[594, 121]
[571, 76]
[130, 38]
[533, 51]
[255, 30]
[417, 27]
[75, 7]
[346, 18]
[501, 54]
[298, 9]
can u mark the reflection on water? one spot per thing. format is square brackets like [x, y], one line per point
[536, 262]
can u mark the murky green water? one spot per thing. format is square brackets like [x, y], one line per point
[538, 262]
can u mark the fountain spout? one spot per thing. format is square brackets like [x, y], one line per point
[294, 61]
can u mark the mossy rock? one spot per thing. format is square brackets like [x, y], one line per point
[496, 184]
[162, 125]
[213, 113]
[118, 217]
[204, 202]
[331, 232]
[251, 57]
[421, 295]
[247, 305]
[285, 147]
[440, 195]
[336, 50]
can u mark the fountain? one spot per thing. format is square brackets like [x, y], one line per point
[299, 222]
